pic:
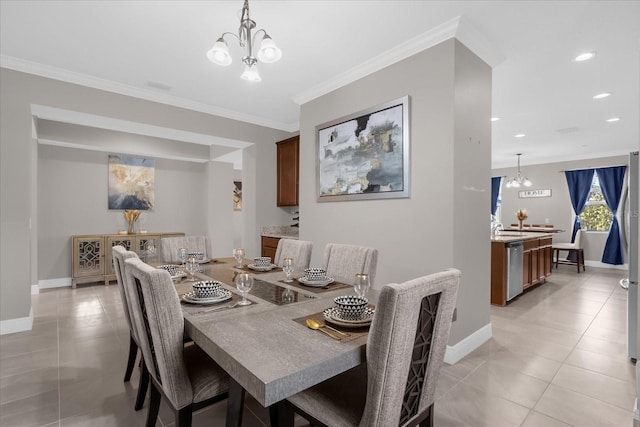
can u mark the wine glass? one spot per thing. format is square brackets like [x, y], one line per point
[287, 267]
[288, 296]
[182, 255]
[361, 284]
[238, 254]
[244, 283]
[192, 268]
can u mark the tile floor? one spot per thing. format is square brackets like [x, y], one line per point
[557, 358]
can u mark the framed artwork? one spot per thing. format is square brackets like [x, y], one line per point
[131, 183]
[237, 195]
[365, 155]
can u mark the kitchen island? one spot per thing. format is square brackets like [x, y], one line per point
[536, 261]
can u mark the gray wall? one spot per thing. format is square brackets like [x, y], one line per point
[557, 208]
[72, 195]
[19, 167]
[441, 225]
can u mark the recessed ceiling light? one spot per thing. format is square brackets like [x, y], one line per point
[613, 119]
[602, 95]
[584, 56]
[495, 119]
[519, 135]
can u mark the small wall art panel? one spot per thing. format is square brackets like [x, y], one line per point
[365, 155]
[131, 183]
[237, 195]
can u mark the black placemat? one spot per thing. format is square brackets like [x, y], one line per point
[353, 333]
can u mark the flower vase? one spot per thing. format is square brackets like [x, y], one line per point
[131, 230]
[520, 224]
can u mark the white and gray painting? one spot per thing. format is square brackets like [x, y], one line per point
[363, 155]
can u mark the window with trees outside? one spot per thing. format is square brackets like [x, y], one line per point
[596, 216]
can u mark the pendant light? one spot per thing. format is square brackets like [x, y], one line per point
[518, 180]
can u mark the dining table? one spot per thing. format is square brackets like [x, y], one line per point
[266, 347]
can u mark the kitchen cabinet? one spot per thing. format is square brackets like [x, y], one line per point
[288, 161]
[269, 246]
[91, 254]
[536, 263]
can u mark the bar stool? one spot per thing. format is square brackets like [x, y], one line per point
[573, 248]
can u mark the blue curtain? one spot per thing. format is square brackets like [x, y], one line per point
[579, 182]
[495, 190]
[611, 180]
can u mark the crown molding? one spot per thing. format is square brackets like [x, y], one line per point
[409, 48]
[55, 73]
[478, 43]
[458, 27]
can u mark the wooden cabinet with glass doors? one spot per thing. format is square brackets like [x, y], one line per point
[91, 254]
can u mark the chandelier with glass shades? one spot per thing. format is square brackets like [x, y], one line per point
[268, 51]
[518, 180]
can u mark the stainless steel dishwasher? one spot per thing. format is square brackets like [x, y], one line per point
[514, 269]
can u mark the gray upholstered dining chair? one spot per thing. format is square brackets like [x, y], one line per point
[299, 250]
[343, 262]
[405, 351]
[119, 255]
[169, 247]
[185, 375]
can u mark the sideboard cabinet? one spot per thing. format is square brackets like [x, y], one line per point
[91, 254]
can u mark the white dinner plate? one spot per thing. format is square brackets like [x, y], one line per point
[265, 268]
[221, 295]
[204, 261]
[316, 283]
[332, 315]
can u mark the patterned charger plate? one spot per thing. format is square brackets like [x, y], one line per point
[316, 283]
[332, 315]
[221, 295]
[265, 268]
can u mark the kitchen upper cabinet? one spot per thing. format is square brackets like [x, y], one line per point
[288, 154]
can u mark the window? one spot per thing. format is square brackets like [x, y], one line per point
[596, 216]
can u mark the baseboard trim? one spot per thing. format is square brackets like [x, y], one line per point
[35, 289]
[63, 282]
[11, 326]
[456, 352]
[603, 265]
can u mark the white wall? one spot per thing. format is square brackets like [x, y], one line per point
[443, 223]
[557, 208]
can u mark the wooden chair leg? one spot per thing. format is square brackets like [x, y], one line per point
[133, 352]
[183, 416]
[142, 387]
[578, 260]
[154, 406]
[557, 255]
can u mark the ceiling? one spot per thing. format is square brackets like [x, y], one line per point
[157, 51]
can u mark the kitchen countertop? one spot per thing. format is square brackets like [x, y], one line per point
[280, 232]
[518, 236]
[279, 236]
